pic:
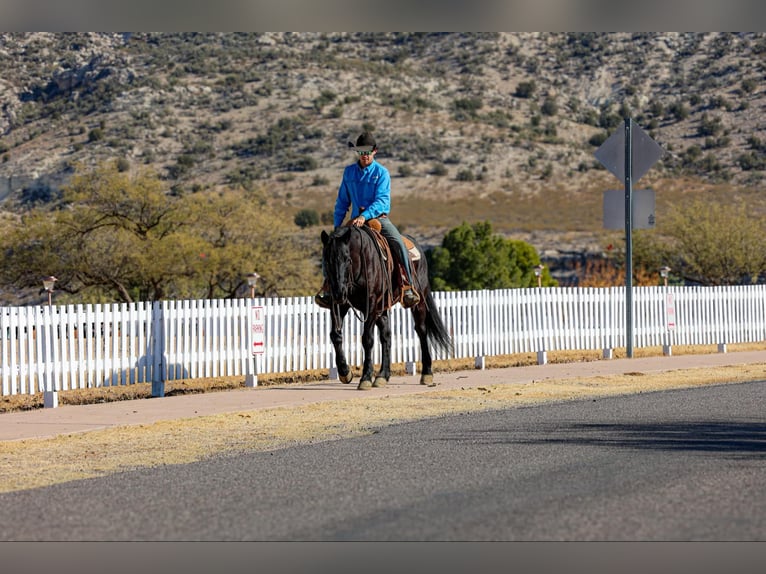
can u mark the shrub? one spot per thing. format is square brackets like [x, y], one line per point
[709, 126]
[465, 108]
[752, 160]
[678, 111]
[95, 134]
[748, 85]
[306, 218]
[549, 107]
[438, 169]
[525, 89]
[406, 171]
[597, 139]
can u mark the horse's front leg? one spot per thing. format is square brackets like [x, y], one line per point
[384, 334]
[368, 339]
[336, 336]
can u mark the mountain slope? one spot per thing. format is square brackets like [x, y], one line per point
[497, 126]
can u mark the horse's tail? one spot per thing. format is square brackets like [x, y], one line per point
[436, 332]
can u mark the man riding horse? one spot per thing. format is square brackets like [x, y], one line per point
[366, 189]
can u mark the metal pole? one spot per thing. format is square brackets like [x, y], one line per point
[628, 238]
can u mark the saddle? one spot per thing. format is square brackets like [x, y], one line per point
[373, 227]
[412, 250]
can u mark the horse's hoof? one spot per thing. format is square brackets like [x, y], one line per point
[380, 382]
[427, 380]
[346, 378]
[364, 385]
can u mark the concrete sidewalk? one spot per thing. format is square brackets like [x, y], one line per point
[68, 419]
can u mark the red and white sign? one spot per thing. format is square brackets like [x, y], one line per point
[258, 327]
[670, 312]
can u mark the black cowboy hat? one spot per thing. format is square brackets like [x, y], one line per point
[365, 142]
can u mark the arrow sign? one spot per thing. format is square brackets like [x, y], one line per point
[646, 152]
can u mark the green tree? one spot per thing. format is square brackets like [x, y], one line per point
[707, 243]
[472, 257]
[122, 237]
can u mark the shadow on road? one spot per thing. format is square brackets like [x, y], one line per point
[731, 438]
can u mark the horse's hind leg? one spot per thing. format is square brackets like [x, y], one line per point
[426, 372]
[384, 334]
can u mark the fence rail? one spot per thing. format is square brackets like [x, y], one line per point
[55, 348]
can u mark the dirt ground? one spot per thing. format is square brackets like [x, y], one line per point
[34, 463]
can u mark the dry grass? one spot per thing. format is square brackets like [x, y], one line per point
[35, 463]
[190, 386]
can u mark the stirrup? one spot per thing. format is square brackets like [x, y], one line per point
[410, 297]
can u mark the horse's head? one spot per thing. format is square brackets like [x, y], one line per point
[336, 259]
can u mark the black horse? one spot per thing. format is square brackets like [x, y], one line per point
[361, 278]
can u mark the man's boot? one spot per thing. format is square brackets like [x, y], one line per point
[410, 297]
[323, 298]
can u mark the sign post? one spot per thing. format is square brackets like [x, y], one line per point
[258, 346]
[629, 153]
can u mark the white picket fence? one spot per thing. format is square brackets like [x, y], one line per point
[57, 348]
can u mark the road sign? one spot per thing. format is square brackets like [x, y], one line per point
[670, 312]
[628, 153]
[643, 209]
[646, 152]
[258, 326]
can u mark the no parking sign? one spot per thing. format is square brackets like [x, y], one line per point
[258, 328]
[670, 312]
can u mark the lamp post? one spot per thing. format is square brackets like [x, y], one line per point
[664, 272]
[542, 355]
[669, 307]
[252, 279]
[48, 285]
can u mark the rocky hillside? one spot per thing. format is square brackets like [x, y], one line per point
[473, 126]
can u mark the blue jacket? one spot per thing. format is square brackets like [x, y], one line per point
[366, 191]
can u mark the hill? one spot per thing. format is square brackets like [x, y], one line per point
[473, 126]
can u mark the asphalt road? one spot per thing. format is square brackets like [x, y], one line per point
[667, 466]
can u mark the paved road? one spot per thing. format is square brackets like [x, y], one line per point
[674, 465]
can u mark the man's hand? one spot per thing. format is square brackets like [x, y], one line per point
[358, 221]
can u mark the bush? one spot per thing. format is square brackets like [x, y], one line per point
[597, 139]
[306, 218]
[678, 111]
[406, 171]
[750, 161]
[466, 107]
[525, 89]
[95, 134]
[465, 175]
[438, 169]
[549, 107]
